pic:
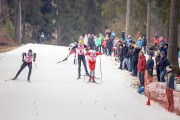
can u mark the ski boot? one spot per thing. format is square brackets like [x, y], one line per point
[87, 74]
[93, 79]
[28, 79]
[78, 77]
[15, 78]
[89, 79]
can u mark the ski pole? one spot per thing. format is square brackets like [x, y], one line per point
[100, 68]
[35, 64]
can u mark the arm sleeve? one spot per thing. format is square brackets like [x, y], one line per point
[23, 54]
[74, 47]
[34, 56]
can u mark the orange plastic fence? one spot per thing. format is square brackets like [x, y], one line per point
[158, 92]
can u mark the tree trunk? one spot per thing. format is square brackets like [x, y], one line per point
[128, 12]
[173, 34]
[148, 24]
[18, 21]
[58, 26]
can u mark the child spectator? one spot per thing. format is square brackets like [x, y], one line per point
[141, 67]
[157, 61]
[170, 78]
[150, 65]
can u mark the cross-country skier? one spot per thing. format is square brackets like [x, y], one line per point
[92, 64]
[80, 50]
[73, 51]
[27, 61]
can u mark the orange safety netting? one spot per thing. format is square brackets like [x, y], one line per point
[158, 92]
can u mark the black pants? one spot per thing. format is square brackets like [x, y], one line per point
[79, 66]
[141, 78]
[121, 61]
[158, 74]
[22, 67]
[134, 67]
[150, 72]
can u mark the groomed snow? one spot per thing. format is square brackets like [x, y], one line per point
[55, 94]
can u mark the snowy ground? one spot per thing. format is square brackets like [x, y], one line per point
[55, 94]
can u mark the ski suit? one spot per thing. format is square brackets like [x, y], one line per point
[80, 49]
[92, 63]
[27, 61]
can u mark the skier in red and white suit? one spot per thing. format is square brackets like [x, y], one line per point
[92, 63]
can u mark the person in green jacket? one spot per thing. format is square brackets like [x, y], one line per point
[100, 41]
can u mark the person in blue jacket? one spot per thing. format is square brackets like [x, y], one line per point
[139, 42]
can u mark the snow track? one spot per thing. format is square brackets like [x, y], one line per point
[55, 94]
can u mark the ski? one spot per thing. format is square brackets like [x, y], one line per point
[94, 77]
[78, 78]
[93, 82]
[10, 80]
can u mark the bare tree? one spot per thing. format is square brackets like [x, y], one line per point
[148, 23]
[17, 21]
[173, 34]
[128, 13]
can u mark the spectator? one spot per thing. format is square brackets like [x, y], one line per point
[170, 78]
[130, 54]
[150, 65]
[85, 39]
[120, 55]
[163, 64]
[141, 67]
[96, 43]
[123, 35]
[163, 47]
[157, 61]
[110, 46]
[156, 41]
[105, 44]
[100, 41]
[128, 40]
[139, 42]
[113, 34]
[125, 56]
[136, 51]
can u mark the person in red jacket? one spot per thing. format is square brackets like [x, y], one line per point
[91, 55]
[141, 67]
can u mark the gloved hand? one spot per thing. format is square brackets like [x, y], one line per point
[34, 60]
[22, 60]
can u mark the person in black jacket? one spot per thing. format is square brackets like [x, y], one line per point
[157, 61]
[130, 54]
[125, 56]
[135, 58]
[163, 64]
[120, 55]
[150, 65]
